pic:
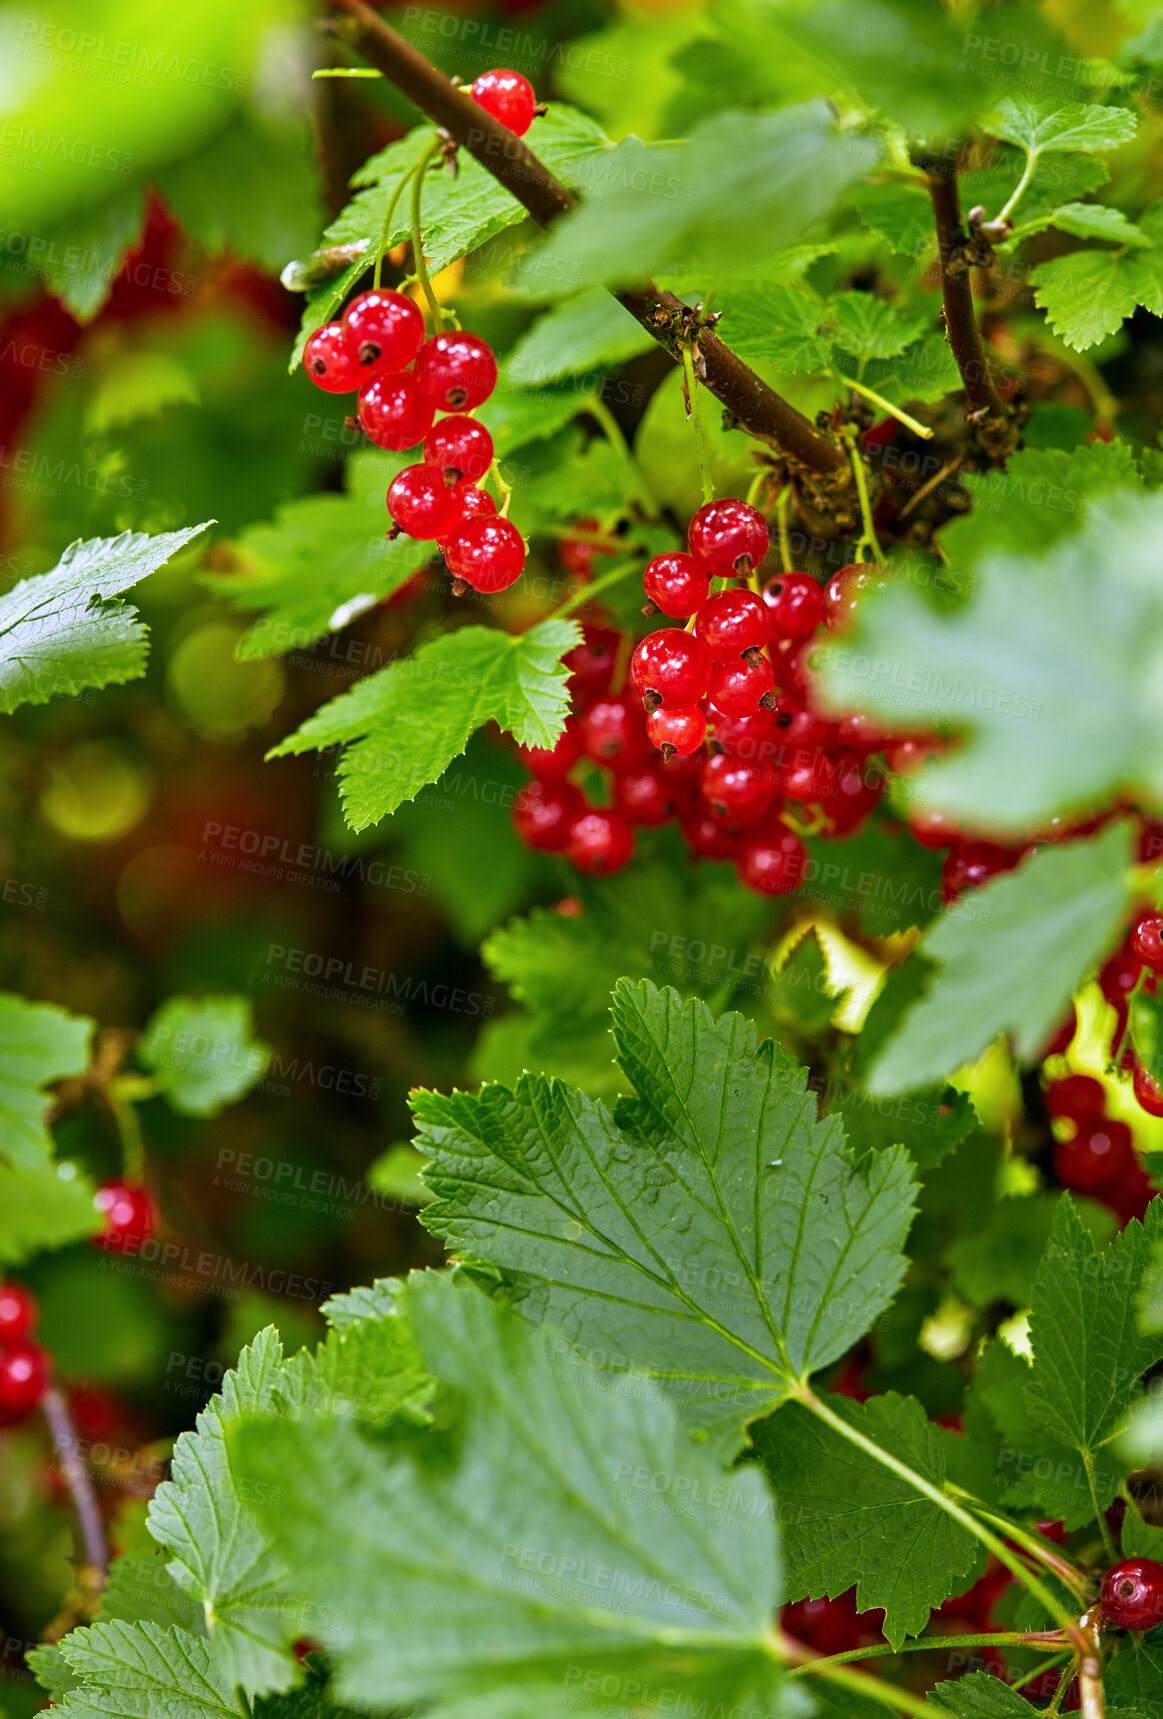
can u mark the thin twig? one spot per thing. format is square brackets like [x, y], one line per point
[64, 1437]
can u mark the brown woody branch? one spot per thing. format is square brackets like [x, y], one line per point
[762, 412]
[993, 421]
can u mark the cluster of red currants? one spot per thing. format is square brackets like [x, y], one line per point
[724, 734]
[404, 381]
[24, 1367]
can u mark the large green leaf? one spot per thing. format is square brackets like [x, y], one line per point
[203, 1052]
[39, 1043]
[1039, 127]
[712, 1232]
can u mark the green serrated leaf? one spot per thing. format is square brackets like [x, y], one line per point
[1096, 221]
[139, 1587]
[1032, 1472]
[141, 1671]
[767, 324]
[61, 632]
[203, 1052]
[979, 1696]
[1008, 958]
[900, 214]
[713, 1233]
[39, 1043]
[403, 726]
[865, 326]
[591, 332]
[1043, 126]
[1040, 497]
[86, 256]
[40, 1208]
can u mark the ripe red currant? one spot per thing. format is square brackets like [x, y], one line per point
[1098, 1156]
[1148, 1092]
[600, 842]
[710, 838]
[1132, 1594]
[771, 863]
[393, 412]
[17, 1314]
[677, 730]
[669, 667]
[456, 371]
[487, 553]
[1076, 1098]
[614, 730]
[591, 663]
[544, 814]
[739, 688]
[846, 589]
[553, 763]
[384, 329]
[421, 503]
[728, 537]
[830, 1626]
[751, 736]
[330, 362]
[1119, 976]
[472, 503]
[1147, 940]
[731, 623]
[737, 789]
[649, 796]
[508, 97]
[970, 864]
[676, 584]
[128, 1212]
[461, 447]
[23, 1380]
[795, 605]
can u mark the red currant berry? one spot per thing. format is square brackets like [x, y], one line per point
[751, 736]
[591, 664]
[731, 623]
[1098, 1156]
[1147, 940]
[1118, 978]
[614, 730]
[799, 729]
[669, 667]
[600, 842]
[128, 1212]
[933, 829]
[771, 863]
[1077, 1098]
[845, 590]
[906, 757]
[830, 1626]
[421, 503]
[970, 864]
[709, 837]
[678, 730]
[795, 606]
[855, 789]
[809, 777]
[1150, 841]
[393, 412]
[649, 796]
[461, 447]
[576, 554]
[508, 97]
[384, 329]
[456, 371]
[1148, 1092]
[1132, 1594]
[739, 688]
[544, 814]
[737, 789]
[330, 362]
[487, 553]
[1062, 1039]
[728, 537]
[553, 763]
[676, 584]
[473, 503]
[23, 1380]
[17, 1314]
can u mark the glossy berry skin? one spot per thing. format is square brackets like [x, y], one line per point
[669, 667]
[1132, 1594]
[970, 864]
[1148, 1092]
[1098, 1157]
[472, 503]
[461, 447]
[710, 838]
[456, 371]
[600, 842]
[728, 537]
[591, 664]
[17, 1314]
[544, 814]
[24, 1376]
[678, 730]
[421, 503]
[384, 329]
[739, 688]
[553, 763]
[1119, 976]
[771, 863]
[1147, 940]
[732, 622]
[508, 97]
[795, 606]
[128, 1213]
[393, 413]
[751, 736]
[614, 731]
[647, 796]
[736, 789]
[487, 553]
[330, 362]
[1077, 1098]
[676, 584]
[844, 591]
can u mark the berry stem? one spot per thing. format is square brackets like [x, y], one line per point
[385, 230]
[692, 412]
[1043, 1640]
[503, 489]
[782, 509]
[1066, 1572]
[785, 1647]
[612, 431]
[1004, 213]
[76, 1474]
[910, 423]
[418, 262]
[945, 1502]
[868, 535]
[129, 1132]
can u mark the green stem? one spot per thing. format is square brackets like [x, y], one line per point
[1000, 1638]
[129, 1130]
[418, 262]
[585, 592]
[1040, 1670]
[782, 509]
[874, 1687]
[1019, 189]
[868, 535]
[405, 179]
[942, 1500]
[911, 423]
[692, 385]
[1100, 1514]
[1065, 1571]
[504, 490]
[612, 431]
